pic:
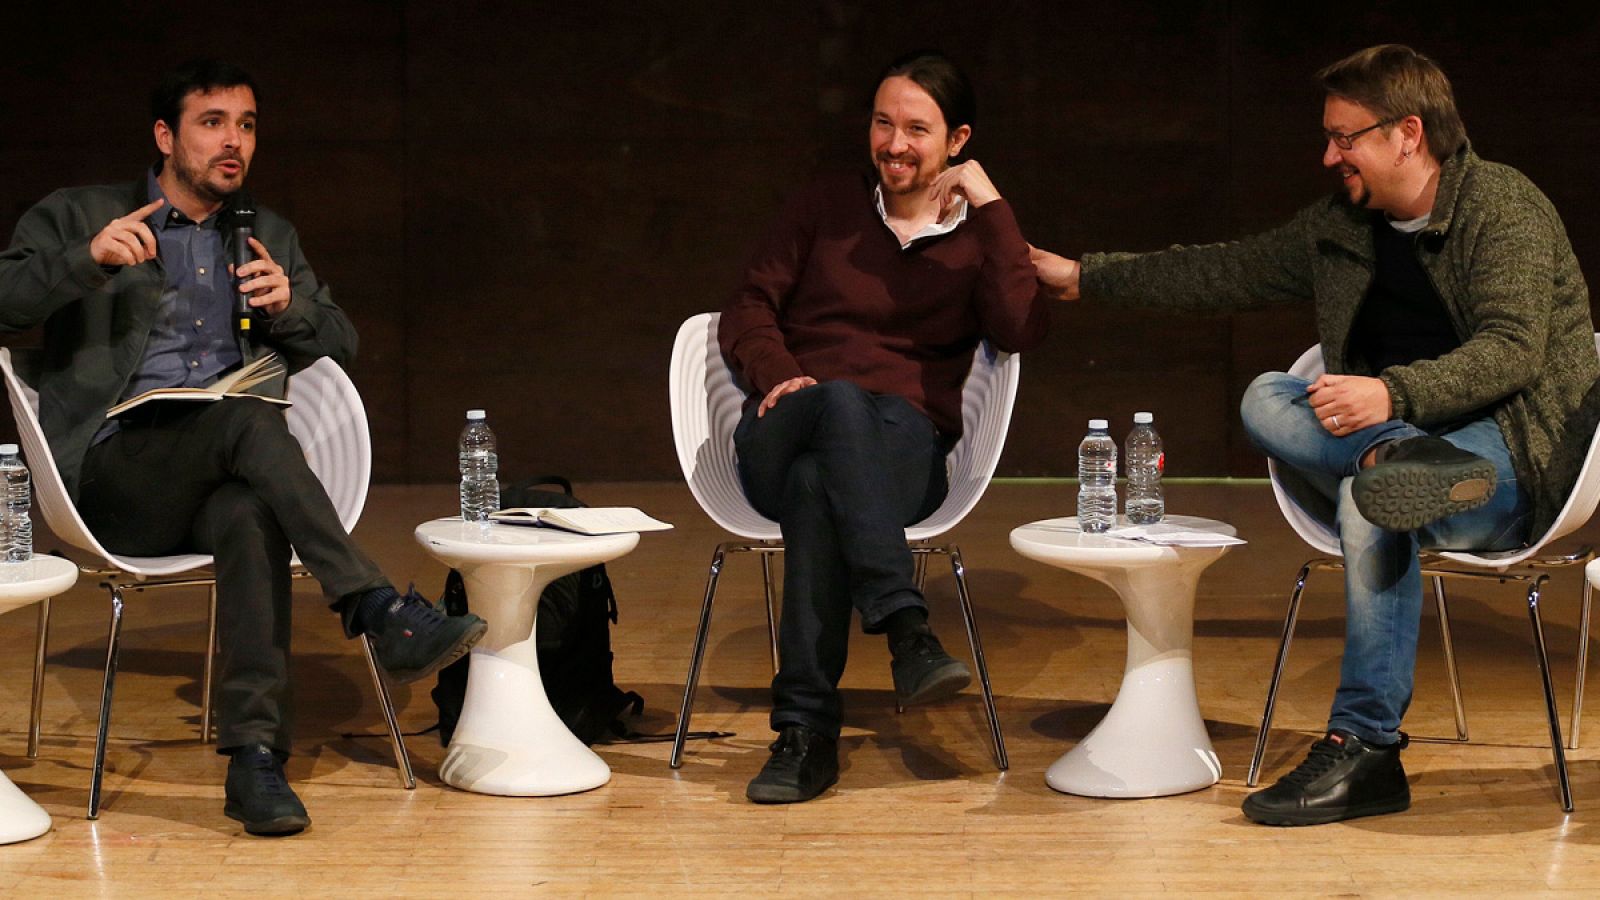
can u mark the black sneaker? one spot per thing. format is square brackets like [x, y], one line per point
[804, 763]
[258, 794]
[923, 672]
[1420, 480]
[1342, 778]
[412, 639]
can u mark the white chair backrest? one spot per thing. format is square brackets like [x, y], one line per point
[1580, 505]
[1322, 538]
[330, 422]
[707, 403]
[49, 490]
[327, 418]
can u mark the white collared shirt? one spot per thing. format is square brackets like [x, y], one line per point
[956, 215]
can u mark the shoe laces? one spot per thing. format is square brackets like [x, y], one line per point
[790, 742]
[921, 643]
[413, 613]
[269, 772]
[1324, 755]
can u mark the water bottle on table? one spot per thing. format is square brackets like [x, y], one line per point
[16, 528]
[480, 465]
[1097, 479]
[1145, 461]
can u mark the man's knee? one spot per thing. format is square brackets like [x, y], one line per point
[1268, 403]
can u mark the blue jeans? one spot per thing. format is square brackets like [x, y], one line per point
[843, 471]
[1383, 577]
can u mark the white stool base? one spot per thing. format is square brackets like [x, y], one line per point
[510, 740]
[1128, 755]
[21, 819]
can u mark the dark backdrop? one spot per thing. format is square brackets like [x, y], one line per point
[517, 203]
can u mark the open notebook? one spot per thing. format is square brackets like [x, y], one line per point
[234, 384]
[583, 519]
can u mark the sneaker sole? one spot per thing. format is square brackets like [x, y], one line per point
[940, 685]
[777, 793]
[1406, 496]
[466, 642]
[280, 826]
[1327, 817]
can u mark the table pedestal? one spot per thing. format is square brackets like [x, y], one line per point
[509, 740]
[1153, 741]
[20, 818]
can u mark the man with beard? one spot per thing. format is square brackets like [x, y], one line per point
[855, 328]
[131, 284]
[1455, 327]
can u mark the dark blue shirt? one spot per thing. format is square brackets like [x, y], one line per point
[191, 342]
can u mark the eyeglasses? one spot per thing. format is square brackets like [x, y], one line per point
[1346, 141]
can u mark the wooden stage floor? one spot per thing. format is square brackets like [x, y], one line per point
[919, 809]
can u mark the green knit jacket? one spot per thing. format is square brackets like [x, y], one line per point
[1498, 255]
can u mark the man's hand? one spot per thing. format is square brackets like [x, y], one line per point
[1057, 275]
[967, 180]
[127, 241]
[787, 387]
[264, 281]
[1349, 403]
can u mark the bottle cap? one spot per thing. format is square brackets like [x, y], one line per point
[1143, 418]
[8, 449]
[1098, 425]
[475, 414]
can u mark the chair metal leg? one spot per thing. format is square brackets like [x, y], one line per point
[1583, 665]
[402, 759]
[1450, 656]
[717, 558]
[112, 645]
[921, 560]
[1549, 693]
[1277, 670]
[37, 711]
[957, 566]
[209, 669]
[772, 617]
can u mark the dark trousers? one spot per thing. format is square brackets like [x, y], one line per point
[843, 471]
[227, 478]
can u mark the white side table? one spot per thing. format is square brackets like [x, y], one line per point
[1153, 741]
[509, 740]
[24, 584]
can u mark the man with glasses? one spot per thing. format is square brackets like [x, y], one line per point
[1457, 403]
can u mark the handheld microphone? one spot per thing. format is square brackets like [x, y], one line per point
[242, 219]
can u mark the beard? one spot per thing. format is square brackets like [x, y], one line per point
[195, 177]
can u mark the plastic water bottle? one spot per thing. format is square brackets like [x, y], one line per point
[1145, 461]
[1097, 479]
[16, 528]
[480, 467]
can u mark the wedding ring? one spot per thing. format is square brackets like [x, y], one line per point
[1335, 421]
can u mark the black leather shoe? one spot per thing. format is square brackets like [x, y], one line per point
[413, 639]
[1420, 480]
[1342, 778]
[258, 794]
[804, 763]
[923, 672]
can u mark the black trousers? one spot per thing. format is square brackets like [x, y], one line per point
[227, 478]
[844, 472]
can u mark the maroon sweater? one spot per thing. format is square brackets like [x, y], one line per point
[830, 294]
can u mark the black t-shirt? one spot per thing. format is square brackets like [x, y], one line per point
[1401, 319]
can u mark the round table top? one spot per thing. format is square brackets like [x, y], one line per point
[25, 583]
[455, 541]
[1059, 541]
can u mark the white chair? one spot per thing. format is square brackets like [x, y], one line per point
[1526, 565]
[331, 424]
[706, 406]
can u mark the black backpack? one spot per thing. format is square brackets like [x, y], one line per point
[572, 634]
